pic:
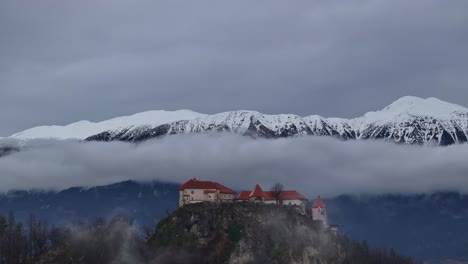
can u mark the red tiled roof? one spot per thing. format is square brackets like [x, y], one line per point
[257, 192]
[319, 203]
[291, 195]
[244, 195]
[285, 195]
[196, 184]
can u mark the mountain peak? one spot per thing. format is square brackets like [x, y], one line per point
[415, 102]
[416, 106]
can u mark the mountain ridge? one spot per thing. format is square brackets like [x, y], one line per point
[409, 120]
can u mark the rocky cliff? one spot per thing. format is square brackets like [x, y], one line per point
[242, 233]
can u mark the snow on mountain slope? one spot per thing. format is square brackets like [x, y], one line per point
[409, 120]
[84, 129]
[414, 120]
[414, 106]
[239, 122]
[249, 123]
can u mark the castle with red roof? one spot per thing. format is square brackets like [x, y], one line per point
[257, 195]
[196, 191]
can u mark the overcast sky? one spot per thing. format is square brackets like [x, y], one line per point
[64, 61]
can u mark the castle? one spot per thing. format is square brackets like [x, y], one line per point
[196, 191]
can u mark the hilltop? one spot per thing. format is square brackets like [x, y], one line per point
[237, 233]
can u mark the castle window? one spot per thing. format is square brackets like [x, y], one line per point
[193, 192]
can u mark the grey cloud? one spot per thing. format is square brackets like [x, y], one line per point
[313, 165]
[66, 61]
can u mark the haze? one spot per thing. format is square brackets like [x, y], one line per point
[311, 165]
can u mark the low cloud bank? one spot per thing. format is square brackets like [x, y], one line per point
[312, 165]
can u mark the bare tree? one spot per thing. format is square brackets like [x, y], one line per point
[276, 190]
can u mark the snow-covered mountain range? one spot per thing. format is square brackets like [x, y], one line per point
[409, 120]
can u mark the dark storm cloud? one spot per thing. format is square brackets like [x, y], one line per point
[313, 165]
[63, 61]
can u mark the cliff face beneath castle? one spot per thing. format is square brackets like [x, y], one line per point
[235, 233]
[241, 233]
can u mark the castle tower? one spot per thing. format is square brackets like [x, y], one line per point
[257, 195]
[319, 211]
